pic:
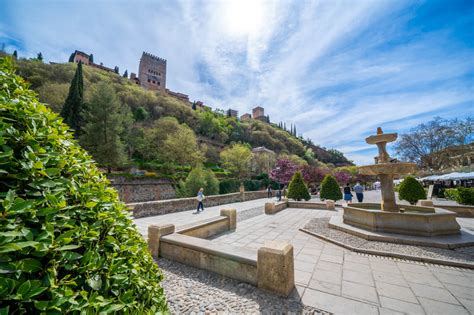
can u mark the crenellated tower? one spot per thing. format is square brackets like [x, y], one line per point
[152, 72]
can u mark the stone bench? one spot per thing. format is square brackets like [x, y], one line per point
[271, 267]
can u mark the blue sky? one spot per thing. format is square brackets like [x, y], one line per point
[336, 69]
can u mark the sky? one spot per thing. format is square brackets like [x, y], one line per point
[336, 69]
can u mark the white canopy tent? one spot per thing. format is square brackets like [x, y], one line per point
[450, 176]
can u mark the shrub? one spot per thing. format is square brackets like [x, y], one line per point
[297, 189]
[411, 190]
[252, 184]
[230, 185]
[461, 195]
[466, 196]
[197, 178]
[67, 244]
[330, 189]
[451, 194]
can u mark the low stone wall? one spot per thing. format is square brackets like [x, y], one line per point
[270, 268]
[142, 188]
[274, 207]
[461, 210]
[158, 207]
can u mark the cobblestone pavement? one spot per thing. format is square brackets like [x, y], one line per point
[191, 290]
[328, 277]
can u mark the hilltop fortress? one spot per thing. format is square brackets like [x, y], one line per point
[152, 76]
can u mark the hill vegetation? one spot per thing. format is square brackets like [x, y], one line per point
[160, 133]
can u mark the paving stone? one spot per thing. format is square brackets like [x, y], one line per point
[307, 258]
[349, 265]
[422, 279]
[331, 258]
[401, 306]
[434, 293]
[359, 292]
[386, 311]
[468, 304]
[389, 278]
[460, 292]
[327, 287]
[336, 304]
[413, 268]
[358, 277]
[437, 307]
[356, 259]
[329, 266]
[302, 277]
[395, 292]
[304, 266]
[462, 281]
[327, 276]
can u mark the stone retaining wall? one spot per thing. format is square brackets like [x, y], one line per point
[461, 210]
[158, 207]
[142, 188]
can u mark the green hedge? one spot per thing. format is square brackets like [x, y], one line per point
[252, 184]
[461, 195]
[227, 186]
[67, 244]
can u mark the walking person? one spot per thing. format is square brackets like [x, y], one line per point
[347, 194]
[200, 198]
[269, 191]
[359, 190]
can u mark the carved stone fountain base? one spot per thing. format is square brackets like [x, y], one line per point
[414, 220]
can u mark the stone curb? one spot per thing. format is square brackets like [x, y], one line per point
[451, 263]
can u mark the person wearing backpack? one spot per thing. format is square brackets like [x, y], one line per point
[200, 198]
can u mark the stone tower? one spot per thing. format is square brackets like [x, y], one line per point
[152, 72]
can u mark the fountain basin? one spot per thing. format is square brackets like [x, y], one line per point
[388, 169]
[415, 220]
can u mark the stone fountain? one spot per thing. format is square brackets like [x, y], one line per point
[388, 216]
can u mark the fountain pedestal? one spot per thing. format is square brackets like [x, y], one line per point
[388, 216]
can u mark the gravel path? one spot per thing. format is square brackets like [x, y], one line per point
[194, 291]
[320, 226]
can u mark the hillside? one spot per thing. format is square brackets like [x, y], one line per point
[148, 109]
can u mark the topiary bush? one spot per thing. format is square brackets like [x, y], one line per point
[67, 244]
[411, 190]
[252, 184]
[297, 189]
[330, 189]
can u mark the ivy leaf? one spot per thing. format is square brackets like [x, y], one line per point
[29, 265]
[21, 205]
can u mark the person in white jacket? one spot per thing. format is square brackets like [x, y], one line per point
[200, 198]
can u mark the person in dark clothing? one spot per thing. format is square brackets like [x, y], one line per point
[347, 193]
[359, 190]
[269, 191]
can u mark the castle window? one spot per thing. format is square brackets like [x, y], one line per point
[158, 83]
[149, 80]
[154, 81]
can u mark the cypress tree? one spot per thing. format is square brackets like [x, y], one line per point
[71, 111]
[40, 56]
[71, 58]
[125, 74]
[15, 54]
[297, 188]
[330, 189]
[116, 69]
[91, 58]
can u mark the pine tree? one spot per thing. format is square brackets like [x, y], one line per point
[15, 54]
[106, 119]
[297, 189]
[125, 74]
[73, 106]
[40, 57]
[91, 58]
[330, 189]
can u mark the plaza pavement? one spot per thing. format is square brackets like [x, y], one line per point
[337, 280]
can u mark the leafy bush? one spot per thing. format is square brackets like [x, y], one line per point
[198, 178]
[330, 189]
[461, 195]
[466, 196]
[252, 184]
[67, 245]
[297, 189]
[230, 185]
[411, 190]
